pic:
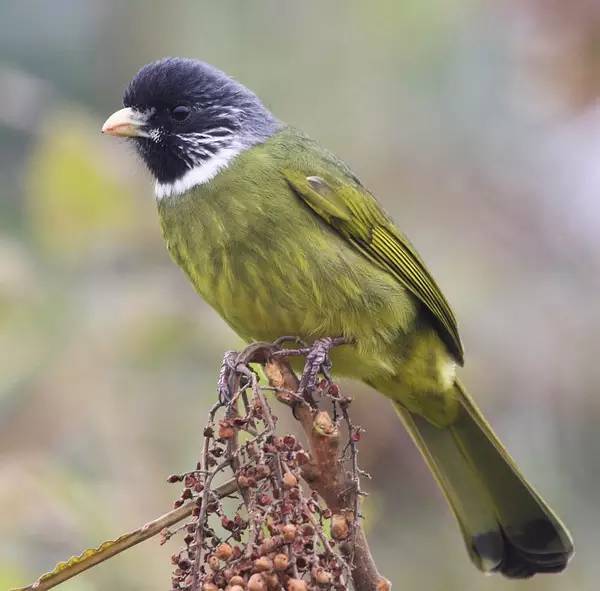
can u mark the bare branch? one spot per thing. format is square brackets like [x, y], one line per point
[93, 556]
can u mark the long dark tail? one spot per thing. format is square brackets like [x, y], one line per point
[506, 525]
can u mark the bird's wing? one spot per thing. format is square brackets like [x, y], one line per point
[355, 214]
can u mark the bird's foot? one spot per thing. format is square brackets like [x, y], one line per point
[317, 361]
[235, 373]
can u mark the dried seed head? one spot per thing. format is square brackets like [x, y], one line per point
[237, 552]
[189, 481]
[272, 581]
[282, 516]
[252, 450]
[289, 532]
[263, 564]
[270, 544]
[289, 480]
[257, 583]
[269, 448]
[322, 576]
[243, 481]
[297, 585]
[240, 521]
[262, 471]
[333, 390]
[281, 562]
[309, 545]
[308, 530]
[226, 430]
[339, 527]
[289, 441]
[300, 560]
[213, 562]
[264, 499]
[174, 478]
[224, 551]
[383, 585]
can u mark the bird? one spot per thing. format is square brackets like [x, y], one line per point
[280, 237]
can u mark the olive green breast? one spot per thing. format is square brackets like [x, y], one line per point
[270, 266]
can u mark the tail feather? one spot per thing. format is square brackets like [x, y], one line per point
[506, 525]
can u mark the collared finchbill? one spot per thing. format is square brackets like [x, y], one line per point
[280, 237]
[126, 122]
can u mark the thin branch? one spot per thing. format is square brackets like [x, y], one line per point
[93, 556]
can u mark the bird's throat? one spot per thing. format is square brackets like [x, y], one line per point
[200, 174]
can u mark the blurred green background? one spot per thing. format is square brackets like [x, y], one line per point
[476, 123]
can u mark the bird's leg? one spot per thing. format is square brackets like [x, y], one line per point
[317, 361]
[225, 373]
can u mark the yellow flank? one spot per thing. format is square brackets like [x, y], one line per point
[424, 385]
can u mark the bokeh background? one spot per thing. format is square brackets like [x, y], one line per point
[476, 123]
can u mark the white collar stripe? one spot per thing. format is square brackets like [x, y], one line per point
[199, 175]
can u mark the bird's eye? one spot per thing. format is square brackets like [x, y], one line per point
[181, 112]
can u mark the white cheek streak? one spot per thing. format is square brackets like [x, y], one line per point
[155, 134]
[199, 175]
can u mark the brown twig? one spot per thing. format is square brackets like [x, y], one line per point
[93, 556]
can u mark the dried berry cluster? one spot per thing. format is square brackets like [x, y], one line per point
[279, 535]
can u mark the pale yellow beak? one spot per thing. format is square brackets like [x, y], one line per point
[126, 123]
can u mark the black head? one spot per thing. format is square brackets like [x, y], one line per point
[182, 112]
